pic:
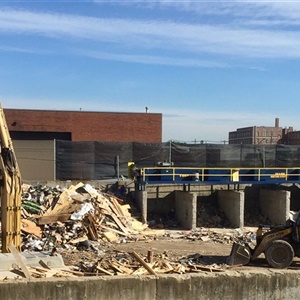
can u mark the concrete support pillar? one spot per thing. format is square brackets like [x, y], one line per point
[186, 209]
[275, 204]
[232, 203]
[141, 200]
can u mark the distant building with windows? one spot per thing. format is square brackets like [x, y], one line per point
[256, 135]
[292, 138]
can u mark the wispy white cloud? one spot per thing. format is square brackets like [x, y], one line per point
[157, 60]
[175, 37]
[245, 12]
[248, 8]
[23, 50]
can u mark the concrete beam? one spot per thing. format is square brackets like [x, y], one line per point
[141, 200]
[186, 209]
[232, 203]
[275, 204]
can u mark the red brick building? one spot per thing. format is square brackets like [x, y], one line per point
[256, 135]
[25, 124]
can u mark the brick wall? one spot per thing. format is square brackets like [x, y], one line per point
[89, 126]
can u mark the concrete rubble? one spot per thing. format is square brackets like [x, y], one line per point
[82, 223]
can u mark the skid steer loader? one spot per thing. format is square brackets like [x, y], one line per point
[280, 244]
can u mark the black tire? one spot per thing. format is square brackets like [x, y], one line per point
[279, 254]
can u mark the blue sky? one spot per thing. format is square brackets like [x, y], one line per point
[208, 66]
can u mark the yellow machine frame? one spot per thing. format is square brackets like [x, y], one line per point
[10, 190]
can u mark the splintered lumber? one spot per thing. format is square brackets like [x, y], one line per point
[180, 269]
[30, 227]
[117, 209]
[121, 267]
[162, 267]
[92, 229]
[53, 219]
[118, 222]
[198, 268]
[104, 271]
[117, 269]
[37, 274]
[143, 263]
[120, 201]
[111, 224]
[125, 210]
[65, 203]
[80, 198]
[19, 260]
[113, 230]
[137, 225]
[140, 271]
[46, 272]
[117, 206]
[110, 236]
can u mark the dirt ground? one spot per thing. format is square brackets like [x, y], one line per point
[174, 246]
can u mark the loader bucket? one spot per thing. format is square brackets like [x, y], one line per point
[239, 255]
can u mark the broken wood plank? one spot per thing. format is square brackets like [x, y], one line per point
[120, 201]
[104, 271]
[117, 206]
[65, 202]
[143, 263]
[123, 268]
[45, 271]
[140, 271]
[36, 274]
[180, 269]
[19, 261]
[111, 237]
[118, 222]
[113, 230]
[198, 268]
[111, 224]
[125, 210]
[115, 267]
[167, 268]
[53, 219]
[30, 227]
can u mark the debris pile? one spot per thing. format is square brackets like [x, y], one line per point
[209, 215]
[73, 218]
[211, 235]
[82, 224]
[124, 263]
[254, 217]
